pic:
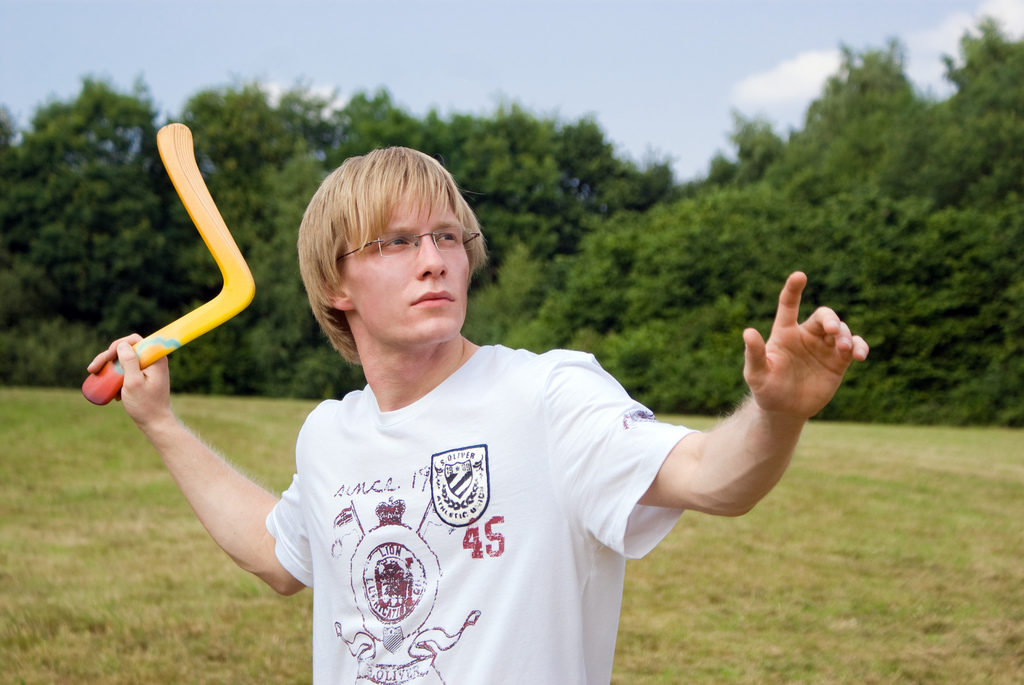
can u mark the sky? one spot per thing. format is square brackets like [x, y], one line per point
[662, 78]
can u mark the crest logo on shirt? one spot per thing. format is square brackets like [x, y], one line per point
[395, 578]
[460, 484]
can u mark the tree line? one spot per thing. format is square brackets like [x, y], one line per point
[904, 209]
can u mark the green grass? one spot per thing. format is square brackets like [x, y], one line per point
[106, 575]
[887, 554]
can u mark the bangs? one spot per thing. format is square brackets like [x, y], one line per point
[389, 178]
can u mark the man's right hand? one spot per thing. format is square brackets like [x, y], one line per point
[146, 393]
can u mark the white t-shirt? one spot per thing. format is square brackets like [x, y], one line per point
[478, 535]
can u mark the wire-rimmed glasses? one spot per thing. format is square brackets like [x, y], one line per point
[404, 244]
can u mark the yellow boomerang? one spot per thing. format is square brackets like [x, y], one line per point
[178, 154]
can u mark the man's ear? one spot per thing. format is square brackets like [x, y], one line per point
[341, 301]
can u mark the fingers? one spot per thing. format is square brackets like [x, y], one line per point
[827, 325]
[755, 356]
[788, 312]
[129, 360]
[109, 354]
[824, 324]
[860, 348]
[830, 327]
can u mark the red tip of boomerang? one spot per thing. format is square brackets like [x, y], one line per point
[100, 388]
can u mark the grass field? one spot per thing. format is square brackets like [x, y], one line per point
[887, 555]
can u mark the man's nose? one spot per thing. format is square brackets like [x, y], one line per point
[429, 257]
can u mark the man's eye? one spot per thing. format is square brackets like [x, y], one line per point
[398, 241]
[446, 237]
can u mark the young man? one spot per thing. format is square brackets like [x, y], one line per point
[466, 517]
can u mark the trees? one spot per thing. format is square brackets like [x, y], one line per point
[863, 124]
[758, 147]
[976, 158]
[84, 167]
[904, 211]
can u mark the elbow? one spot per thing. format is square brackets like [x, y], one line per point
[275, 575]
[733, 506]
[264, 564]
[289, 589]
[286, 585]
[737, 509]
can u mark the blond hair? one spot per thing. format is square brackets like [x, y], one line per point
[353, 206]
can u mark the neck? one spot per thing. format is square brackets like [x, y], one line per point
[398, 379]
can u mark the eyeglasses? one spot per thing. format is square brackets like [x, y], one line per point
[402, 244]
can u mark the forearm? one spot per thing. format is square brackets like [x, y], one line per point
[729, 469]
[231, 507]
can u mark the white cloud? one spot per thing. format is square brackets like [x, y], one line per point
[927, 47]
[1009, 12]
[784, 91]
[275, 90]
[793, 81]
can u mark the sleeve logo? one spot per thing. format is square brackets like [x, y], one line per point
[637, 416]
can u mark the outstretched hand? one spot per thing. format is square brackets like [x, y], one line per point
[800, 367]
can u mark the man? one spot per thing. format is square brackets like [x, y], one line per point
[466, 517]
